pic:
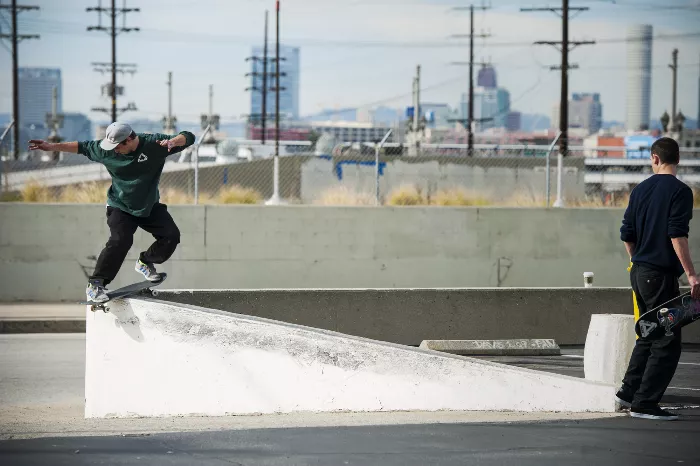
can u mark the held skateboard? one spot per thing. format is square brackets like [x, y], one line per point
[657, 322]
[140, 288]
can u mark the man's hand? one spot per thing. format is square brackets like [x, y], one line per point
[38, 144]
[694, 282]
[177, 141]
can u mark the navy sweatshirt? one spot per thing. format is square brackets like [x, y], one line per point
[660, 208]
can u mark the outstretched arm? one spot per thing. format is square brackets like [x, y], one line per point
[38, 144]
[176, 144]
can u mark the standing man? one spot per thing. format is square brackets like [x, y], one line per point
[655, 232]
[135, 162]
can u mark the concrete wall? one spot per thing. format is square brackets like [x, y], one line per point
[496, 178]
[409, 316]
[306, 178]
[47, 251]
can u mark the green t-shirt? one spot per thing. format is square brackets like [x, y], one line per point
[135, 176]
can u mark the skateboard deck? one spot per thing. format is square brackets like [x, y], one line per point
[143, 287]
[661, 321]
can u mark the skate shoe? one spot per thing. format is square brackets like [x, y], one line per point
[148, 271]
[96, 292]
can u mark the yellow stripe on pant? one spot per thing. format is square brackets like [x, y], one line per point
[634, 301]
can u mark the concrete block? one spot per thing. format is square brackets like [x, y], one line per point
[148, 358]
[609, 344]
[522, 347]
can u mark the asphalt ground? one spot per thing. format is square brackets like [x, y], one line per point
[42, 395]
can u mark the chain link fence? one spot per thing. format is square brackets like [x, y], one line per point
[435, 175]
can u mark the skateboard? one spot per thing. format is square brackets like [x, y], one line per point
[140, 288]
[652, 323]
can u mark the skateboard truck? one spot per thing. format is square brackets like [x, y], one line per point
[665, 321]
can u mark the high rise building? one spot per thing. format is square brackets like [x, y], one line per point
[585, 111]
[35, 94]
[289, 97]
[491, 107]
[513, 121]
[639, 43]
[487, 77]
[76, 127]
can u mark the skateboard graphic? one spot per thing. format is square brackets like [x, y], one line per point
[653, 323]
[140, 288]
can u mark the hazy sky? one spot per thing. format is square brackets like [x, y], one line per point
[354, 52]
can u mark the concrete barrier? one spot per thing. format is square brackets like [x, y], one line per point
[150, 358]
[609, 344]
[409, 316]
[47, 251]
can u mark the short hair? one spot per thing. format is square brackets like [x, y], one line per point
[667, 150]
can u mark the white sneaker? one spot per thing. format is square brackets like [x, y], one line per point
[96, 293]
[148, 271]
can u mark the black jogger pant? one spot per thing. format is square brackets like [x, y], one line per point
[653, 362]
[122, 227]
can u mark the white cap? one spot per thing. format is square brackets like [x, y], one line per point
[116, 134]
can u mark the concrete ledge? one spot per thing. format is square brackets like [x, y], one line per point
[409, 316]
[494, 347]
[150, 358]
[42, 326]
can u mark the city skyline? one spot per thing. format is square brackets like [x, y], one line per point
[361, 61]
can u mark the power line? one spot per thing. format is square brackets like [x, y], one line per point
[172, 36]
[15, 38]
[566, 47]
[113, 32]
[470, 117]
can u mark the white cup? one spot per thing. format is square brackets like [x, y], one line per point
[588, 279]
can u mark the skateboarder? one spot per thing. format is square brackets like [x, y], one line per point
[655, 231]
[135, 162]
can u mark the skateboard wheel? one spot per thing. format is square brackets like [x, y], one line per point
[154, 293]
[663, 311]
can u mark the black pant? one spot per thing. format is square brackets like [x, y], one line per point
[654, 361]
[122, 227]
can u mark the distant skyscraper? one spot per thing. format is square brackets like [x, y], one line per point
[487, 77]
[513, 121]
[76, 127]
[585, 111]
[639, 43]
[35, 93]
[289, 97]
[490, 105]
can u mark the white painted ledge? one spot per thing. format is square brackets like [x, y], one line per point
[149, 358]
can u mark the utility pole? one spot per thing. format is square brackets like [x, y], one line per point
[277, 94]
[15, 38]
[566, 47]
[263, 89]
[674, 69]
[113, 32]
[210, 118]
[54, 121]
[276, 199]
[170, 121]
[470, 116]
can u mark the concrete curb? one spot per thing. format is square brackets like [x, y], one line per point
[520, 347]
[42, 326]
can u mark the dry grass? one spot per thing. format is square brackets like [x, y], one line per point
[238, 195]
[459, 197]
[85, 193]
[36, 192]
[172, 196]
[406, 195]
[340, 195]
